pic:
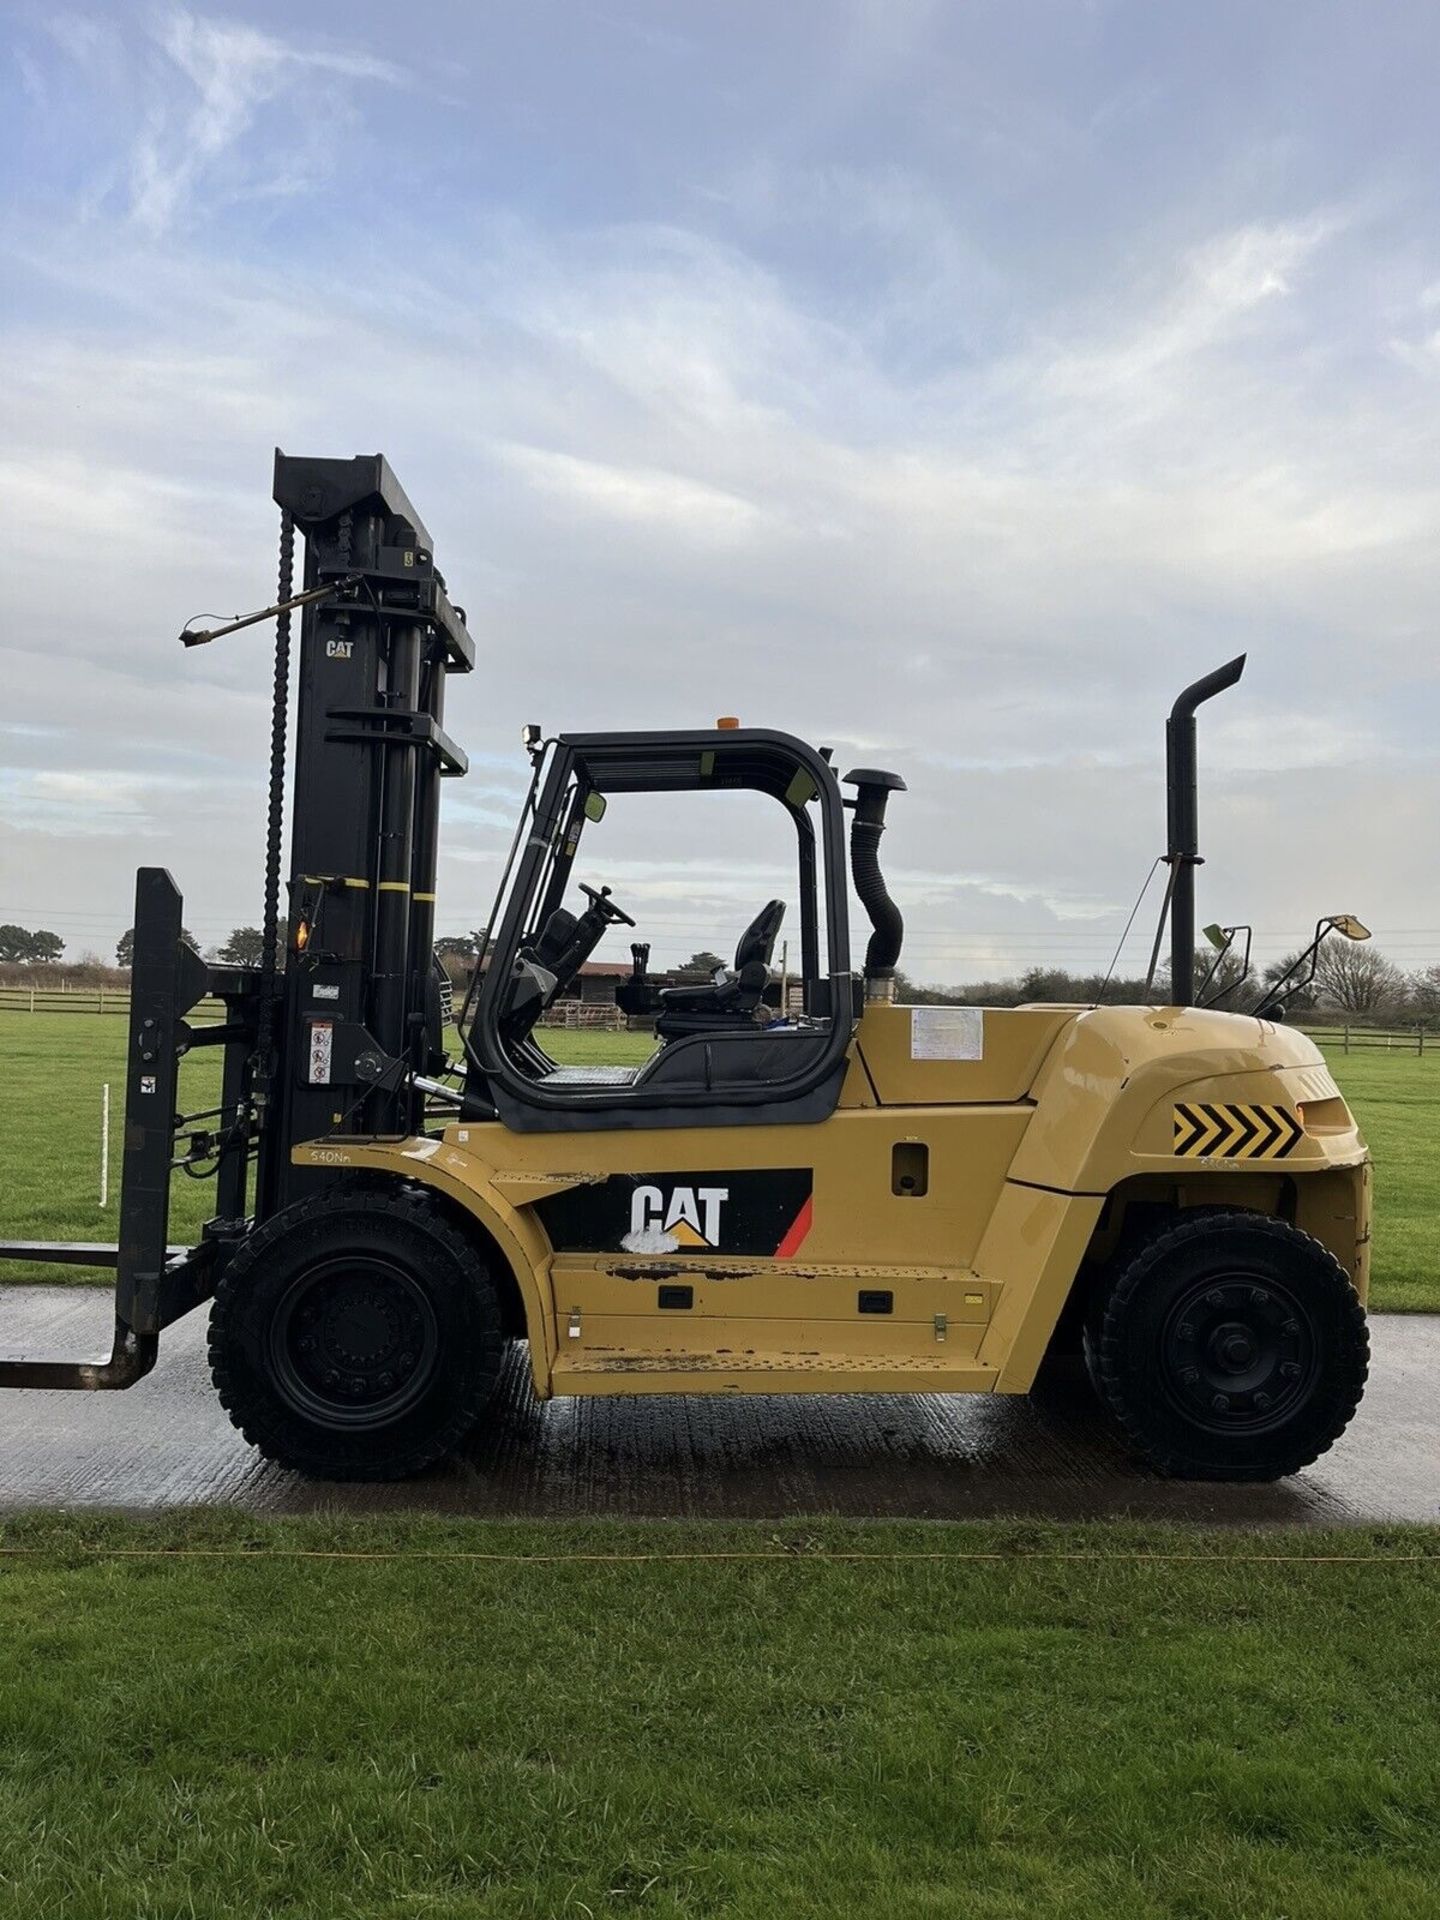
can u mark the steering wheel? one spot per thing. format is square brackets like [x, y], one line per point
[599, 898]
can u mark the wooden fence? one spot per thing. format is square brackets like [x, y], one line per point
[1355, 1039]
[116, 1001]
[602, 1014]
[65, 999]
[112, 1000]
[583, 1014]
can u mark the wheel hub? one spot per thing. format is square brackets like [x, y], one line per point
[1233, 1348]
[1237, 1352]
[354, 1342]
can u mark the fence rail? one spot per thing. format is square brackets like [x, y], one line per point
[1348, 1039]
[578, 1014]
[1337, 1037]
[65, 999]
[112, 1000]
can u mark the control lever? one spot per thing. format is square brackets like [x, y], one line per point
[637, 997]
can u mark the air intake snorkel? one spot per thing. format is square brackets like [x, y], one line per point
[873, 789]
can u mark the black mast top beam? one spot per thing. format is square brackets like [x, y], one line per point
[324, 489]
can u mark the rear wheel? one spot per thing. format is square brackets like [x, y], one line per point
[356, 1336]
[1232, 1347]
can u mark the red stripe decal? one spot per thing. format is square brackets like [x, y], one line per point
[798, 1228]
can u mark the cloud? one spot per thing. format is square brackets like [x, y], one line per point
[795, 439]
[222, 110]
[649, 500]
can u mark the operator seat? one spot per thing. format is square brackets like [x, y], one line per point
[729, 1000]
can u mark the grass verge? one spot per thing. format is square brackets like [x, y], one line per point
[1397, 1099]
[231, 1728]
[50, 1121]
[54, 1066]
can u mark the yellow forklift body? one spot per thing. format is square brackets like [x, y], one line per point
[927, 1236]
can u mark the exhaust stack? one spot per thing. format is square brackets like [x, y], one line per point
[1183, 818]
[873, 789]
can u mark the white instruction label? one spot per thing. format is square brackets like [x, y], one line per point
[322, 1042]
[947, 1033]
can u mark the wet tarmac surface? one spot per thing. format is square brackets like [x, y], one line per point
[168, 1443]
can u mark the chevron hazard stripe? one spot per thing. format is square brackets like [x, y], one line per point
[1233, 1132]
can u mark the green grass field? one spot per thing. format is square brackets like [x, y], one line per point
[1110, 1737]
[54, 1066]
[218, 1716]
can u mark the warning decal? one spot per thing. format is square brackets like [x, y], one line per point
[322, 1046]
[1231, 1132]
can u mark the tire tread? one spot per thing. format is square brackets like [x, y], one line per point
[1105, 1351]
[341, 1457]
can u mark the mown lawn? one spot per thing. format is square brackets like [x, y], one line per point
[1397, 1099]
[1103, 1738]
[54, 1065]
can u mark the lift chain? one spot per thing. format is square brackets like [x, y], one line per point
[279, 716]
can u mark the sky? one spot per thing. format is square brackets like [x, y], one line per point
[947, 384]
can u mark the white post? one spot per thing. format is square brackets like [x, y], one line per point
[105, 1144]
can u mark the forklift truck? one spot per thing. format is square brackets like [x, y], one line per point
[843, 1195]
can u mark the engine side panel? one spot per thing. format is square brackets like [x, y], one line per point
[929, 1246]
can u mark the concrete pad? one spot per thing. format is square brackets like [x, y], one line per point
[168, 1443]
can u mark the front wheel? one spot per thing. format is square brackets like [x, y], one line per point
[356, 1336]
[1232, 1347]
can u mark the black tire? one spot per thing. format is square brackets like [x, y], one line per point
[1232, 1347]
[356, 1336]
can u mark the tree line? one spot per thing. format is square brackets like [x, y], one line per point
[19, 946]
[1352, 978]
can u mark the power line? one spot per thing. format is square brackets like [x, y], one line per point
[923, 928]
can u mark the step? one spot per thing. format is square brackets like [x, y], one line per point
[616, 1370]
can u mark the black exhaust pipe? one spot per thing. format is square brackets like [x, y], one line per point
[873, 789]
[1183, 819]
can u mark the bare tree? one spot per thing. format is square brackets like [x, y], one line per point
[1298, 999]
[1221, 973]
[1356, 977]
[1424, 988]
